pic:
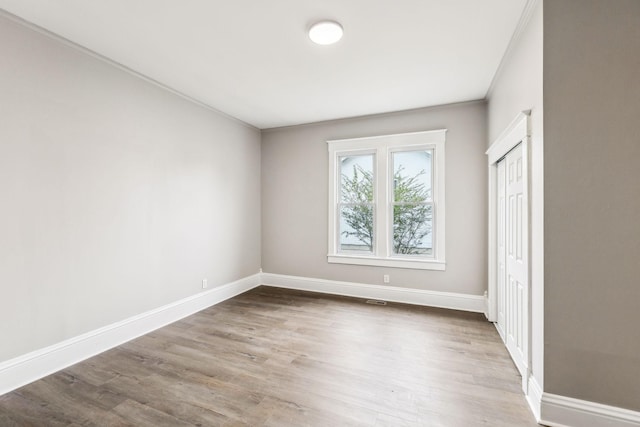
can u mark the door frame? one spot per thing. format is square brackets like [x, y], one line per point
[518, 132]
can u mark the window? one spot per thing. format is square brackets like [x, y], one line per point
[386, 200]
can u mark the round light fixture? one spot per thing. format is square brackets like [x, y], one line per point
[325, 32]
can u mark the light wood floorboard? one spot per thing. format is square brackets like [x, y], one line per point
[274, 357]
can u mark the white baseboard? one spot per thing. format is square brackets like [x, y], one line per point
[486, 306]
[475, 303]
[30, 367]
[561, 411]
[549, 409]
[534, 396]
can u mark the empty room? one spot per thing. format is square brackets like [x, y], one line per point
[337, 213]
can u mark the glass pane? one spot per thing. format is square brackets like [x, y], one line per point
[356, 228]
[356, 179]
[412, 176]
[412, 225]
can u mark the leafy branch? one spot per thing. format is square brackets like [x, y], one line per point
[357, 193]
[412, 217]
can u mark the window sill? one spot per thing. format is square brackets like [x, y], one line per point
[417, 264]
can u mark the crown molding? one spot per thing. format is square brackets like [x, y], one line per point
[73, 45]
[525, 18]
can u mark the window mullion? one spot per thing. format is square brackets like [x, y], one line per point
[381, 204]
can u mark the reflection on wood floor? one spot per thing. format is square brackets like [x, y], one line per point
[274, 357]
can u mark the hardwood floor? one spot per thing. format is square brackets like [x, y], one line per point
[274, 357]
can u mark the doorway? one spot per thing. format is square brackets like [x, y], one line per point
[509, 289]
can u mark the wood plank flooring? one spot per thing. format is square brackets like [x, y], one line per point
[274, 357]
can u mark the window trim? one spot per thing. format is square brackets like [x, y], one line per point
[383, 147]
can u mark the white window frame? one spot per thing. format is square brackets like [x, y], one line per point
[347, 153]
[382, 147]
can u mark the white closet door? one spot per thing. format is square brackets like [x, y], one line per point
[502, 251]
[516, 288]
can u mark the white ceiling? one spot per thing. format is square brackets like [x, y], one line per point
[252, 59]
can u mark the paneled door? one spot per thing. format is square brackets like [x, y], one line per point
[512, 269]
[501, 231]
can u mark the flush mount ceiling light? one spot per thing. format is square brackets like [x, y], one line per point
[325, 32]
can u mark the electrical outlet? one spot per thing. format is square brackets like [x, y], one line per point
[385, 278]
[205, 285]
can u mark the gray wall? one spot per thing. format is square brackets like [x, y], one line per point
[518, 87]
[592, 200]
[116, 196]
[294, 198]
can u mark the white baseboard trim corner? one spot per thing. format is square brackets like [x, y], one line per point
[485, 296]
[22, 370]
[454, 301]
[534, 396]
[562, 411]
